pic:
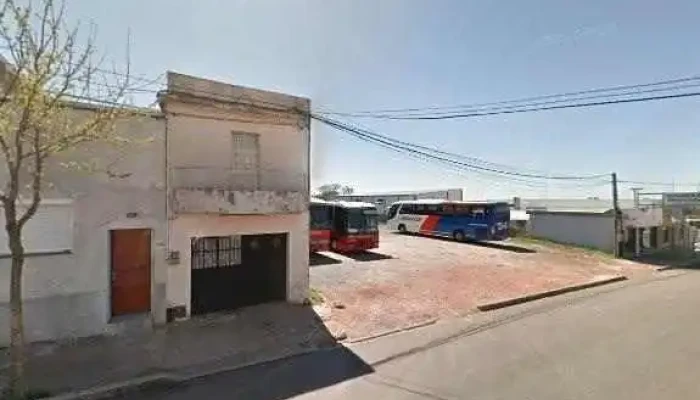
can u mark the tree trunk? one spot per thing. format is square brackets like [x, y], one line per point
[18, 384]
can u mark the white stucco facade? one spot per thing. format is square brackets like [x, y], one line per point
[67, 293]
[210, 197]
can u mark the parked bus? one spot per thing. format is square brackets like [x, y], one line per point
[355, 227]
[460, 220]
[320, 225]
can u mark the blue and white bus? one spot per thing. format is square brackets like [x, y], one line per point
[460, 220]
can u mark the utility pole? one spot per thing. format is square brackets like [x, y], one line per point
[635, 193]
[616, 208]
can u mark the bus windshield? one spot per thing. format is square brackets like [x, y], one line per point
[361, 219]
[320, 216]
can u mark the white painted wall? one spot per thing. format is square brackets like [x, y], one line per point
[49, 231]
[188, 226]
[68, 295]
[583, 229]
[199, 129]
[201, 117]
[239, 201]
[642, 218]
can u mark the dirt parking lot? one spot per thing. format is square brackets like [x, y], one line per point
[413, 279]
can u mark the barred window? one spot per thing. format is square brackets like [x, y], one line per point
[216, 252]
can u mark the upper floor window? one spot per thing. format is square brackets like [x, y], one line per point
[245, 152]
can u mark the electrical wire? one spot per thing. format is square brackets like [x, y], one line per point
[405, 146]
[536, 104]
[657, 183]
[459, 156]
[522, 100]
[496, 167]
[537, 109]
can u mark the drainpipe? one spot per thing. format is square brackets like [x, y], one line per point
[167, 189]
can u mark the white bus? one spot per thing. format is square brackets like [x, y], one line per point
[460, 220]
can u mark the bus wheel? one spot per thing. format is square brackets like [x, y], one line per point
[402, 228]
[458, 236]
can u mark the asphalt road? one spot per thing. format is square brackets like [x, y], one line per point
[641, 341]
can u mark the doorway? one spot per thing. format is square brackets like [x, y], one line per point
[229, 272]
[130, 271]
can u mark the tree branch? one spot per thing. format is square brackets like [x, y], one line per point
[37, 175]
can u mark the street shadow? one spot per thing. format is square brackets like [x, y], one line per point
[679, 260]
[365, 256]
[316, 259]
[504, 246]
[217, 341]
[492, 245]
[276, 380]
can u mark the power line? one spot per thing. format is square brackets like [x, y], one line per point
[657, 183]
[459, 156]
[358, 133]
[136, 77]
[523, 100]
[536, 104]
[405, 146]
[536, 109]
[496, 168]
[523, 178]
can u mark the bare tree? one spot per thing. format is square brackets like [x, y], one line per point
[329, 191]
[51, 68]
[333, 190]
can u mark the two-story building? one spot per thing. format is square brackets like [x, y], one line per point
[207, 211]
[238, 173]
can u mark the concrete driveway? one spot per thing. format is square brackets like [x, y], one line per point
[414, 279]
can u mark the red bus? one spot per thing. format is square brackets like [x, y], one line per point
[320, 224]
[355, 227]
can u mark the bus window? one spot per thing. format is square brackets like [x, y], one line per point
[462, 210]
[434, 209]
[320, 216]
[478, 212]
[407, 209]
[420, 209]
[448, 209]
[392, 211]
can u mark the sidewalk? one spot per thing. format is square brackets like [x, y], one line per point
[183, 349]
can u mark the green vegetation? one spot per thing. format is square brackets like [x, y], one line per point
[562, 246]
[315, 297]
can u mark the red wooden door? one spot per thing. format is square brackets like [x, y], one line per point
[131, 271]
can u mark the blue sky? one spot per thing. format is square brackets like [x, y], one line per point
[372, 54]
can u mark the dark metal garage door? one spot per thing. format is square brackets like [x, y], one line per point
[229, 272]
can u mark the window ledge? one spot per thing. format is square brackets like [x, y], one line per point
[39, 254]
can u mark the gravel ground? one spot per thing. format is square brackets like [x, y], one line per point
[411, 279]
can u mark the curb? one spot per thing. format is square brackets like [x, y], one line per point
[430, 321]
[114, 389]
[689, 264]
[550, 293]
[666, 268]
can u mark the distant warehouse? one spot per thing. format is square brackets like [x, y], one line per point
[384, 200]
